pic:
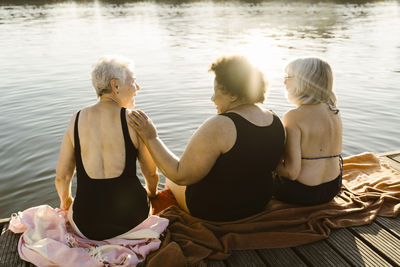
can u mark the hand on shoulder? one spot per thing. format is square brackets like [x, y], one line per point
[142, 124]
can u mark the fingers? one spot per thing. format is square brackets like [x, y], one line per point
[131, 122]
[142, 114]
[134, 118]
[138, 115]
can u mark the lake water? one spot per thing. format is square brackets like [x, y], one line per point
[47, 49]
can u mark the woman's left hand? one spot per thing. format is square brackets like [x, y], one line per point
[142, 124]
[64, 205]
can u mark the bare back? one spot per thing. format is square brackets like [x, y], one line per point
[102, 142]
[321, 136]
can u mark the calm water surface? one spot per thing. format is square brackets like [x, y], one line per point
[47, 49]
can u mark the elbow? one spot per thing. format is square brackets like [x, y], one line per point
[288, 171]
[176, 176]
[293, 173]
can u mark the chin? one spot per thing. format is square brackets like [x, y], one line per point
[130, 105]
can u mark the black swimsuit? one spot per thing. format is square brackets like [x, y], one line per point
[105, 208]
[297, 193]
[240, 182]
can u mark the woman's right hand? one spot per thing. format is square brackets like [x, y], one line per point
[142, 124]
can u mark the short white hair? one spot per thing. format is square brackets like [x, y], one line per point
[108, 68]
[313, 81]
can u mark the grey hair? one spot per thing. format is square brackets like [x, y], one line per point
[313, 82]
[108, 68]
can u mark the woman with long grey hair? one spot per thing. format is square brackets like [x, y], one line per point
[311, 172]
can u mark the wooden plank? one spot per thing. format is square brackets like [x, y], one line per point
[244, 258]
[215, 264]
[390, 224]
[395, 157]
[9, 251]
[2, 243]
[320, 254]
[5, 243]
[380, 240]
[393, 163]
[4, 220]
[390, 153]
[355, 251]
[280, 257]
[3, 228]
[9, 247]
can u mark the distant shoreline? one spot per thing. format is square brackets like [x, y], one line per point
[175, 2]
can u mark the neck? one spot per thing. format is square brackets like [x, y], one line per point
[109, 98]
[241, 105]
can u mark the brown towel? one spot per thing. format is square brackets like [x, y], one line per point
[370, 188]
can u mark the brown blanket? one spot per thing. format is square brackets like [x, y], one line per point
[370, 188]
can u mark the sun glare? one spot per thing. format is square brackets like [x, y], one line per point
[264, 53]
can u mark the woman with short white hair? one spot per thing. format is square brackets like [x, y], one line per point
[110, 199]
[311, 172]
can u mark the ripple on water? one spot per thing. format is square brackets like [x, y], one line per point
[48, 49]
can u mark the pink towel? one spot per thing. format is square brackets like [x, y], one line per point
[49, 240]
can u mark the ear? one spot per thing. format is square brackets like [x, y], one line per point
[233, 98]
[114, 85]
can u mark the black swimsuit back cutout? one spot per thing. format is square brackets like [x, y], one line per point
[105, 208]
[240, 182]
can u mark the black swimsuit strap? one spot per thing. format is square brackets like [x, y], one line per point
[129, 147]
[76, 140]
[333, 108]
[328, 157]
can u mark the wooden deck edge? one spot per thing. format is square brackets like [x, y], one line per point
[392, 160]
[5, 220]
[386, 154]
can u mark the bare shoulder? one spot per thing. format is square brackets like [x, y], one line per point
[71, 124]
[292, 116]
[219, 131]
[217, 123]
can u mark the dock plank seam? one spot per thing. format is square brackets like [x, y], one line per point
[302, 257]
[261, 257]
[355, 249]
[341, 254]
[387, 228]
[5, 255]
[371, 246]
[280, 257]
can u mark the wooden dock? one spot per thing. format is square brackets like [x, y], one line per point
[377, 244]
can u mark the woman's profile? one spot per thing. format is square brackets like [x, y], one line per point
[225, 172]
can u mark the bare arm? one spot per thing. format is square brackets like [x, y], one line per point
[66, 167]
[198, 158]
[148, 168]
[291, 166]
